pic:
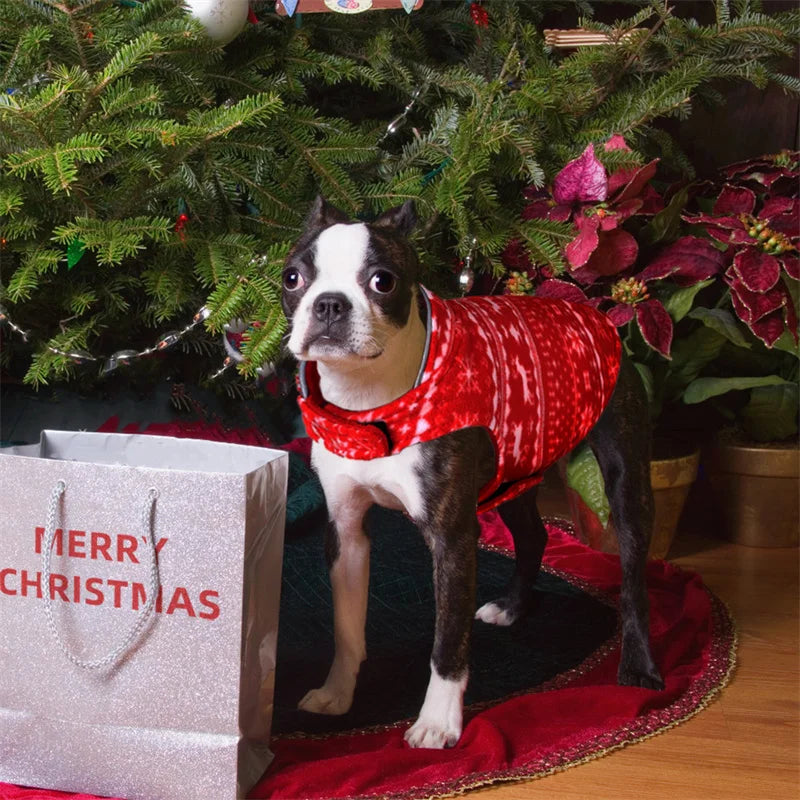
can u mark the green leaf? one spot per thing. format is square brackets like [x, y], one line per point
[701, 389]
[665, 225]
[771, 414]
[679, 303]
[722, 321]
[584, 476]
[689, 356]
[646, 374]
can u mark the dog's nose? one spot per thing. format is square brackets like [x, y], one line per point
[331, 307]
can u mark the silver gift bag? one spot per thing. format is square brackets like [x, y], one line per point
[139, 590]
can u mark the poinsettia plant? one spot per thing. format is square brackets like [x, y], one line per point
[702, 282]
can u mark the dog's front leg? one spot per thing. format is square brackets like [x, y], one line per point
[347, 550]
[454, 566]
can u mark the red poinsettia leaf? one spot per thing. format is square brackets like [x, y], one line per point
[742, 311]
[632, 182]
[655, 324]
[536, 209]
[758, 270]
[625, 209]
[620, 314]
[734, 200]
[791, 264]
[615, 252]
[616, 142]
[790, 318]
[769, 328]
[516, 256]
[560, 213]
[773, 206]
[561, 290]
[579, 250]
[583, 180]
[758, 304]
[652, 201]
[689, 260]
[789, 223]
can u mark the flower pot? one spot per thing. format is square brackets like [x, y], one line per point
[756, 491]
[671, 479]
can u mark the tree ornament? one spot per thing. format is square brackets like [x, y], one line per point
[349, 6]
[120, 358]
[480, 16]
[222, 19]
[75, 250]
[466, 279]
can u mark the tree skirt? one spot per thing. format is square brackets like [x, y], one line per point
[542, 695]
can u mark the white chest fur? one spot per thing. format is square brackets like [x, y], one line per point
[393, 481]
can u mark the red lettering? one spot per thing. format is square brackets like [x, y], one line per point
[205, 600]
[126, 546]
[159, 544]
[180, 600]
[160, 599]
[91, 587]
[58, 586]
[58, 540]
[100, 544]
[27, 583]
[3, 588]
[117, 586]
[77, 544]
[76, 588]
[139, 595]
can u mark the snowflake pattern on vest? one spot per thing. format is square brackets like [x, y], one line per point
[536, 373]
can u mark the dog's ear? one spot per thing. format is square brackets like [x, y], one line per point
[323, 215]
[403, 217]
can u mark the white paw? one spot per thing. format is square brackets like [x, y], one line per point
[494, 615]
[432, 734]
[326, 701]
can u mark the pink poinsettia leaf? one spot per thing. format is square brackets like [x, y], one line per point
[758, 270]
[743, 166]
[631, 182]
[758, 304]
[616, 142]
[791, 265]
[734, 200]
[689, 260]
[583, 180]
[620, 314]
[580, 249]
[655, 324]
[560, 213]
[769, 328]
[615, 252]
[561, 290]
[596, 302]
[711, 221]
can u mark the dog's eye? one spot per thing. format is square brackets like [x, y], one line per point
[292, 280]
[382, 282]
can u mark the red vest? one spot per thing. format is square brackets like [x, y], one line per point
[535, 372]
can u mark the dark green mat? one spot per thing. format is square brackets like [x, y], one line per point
[565, 628]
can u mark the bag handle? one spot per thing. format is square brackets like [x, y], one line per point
[147, 609]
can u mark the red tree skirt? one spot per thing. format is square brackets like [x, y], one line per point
[579, 716]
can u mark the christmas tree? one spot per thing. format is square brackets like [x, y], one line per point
[152, 179]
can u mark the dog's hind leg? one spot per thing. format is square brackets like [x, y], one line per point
[621, 444]
[521, 517]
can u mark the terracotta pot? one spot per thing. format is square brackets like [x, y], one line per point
[757, 491]
[671, 479]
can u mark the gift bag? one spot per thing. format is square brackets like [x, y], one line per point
[139, 591]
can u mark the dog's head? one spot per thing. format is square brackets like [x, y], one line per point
[348, 287]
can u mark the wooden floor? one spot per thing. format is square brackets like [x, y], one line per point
[746, 745]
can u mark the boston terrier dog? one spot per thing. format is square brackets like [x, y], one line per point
[409, 407]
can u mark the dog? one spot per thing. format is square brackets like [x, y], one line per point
[365, 333]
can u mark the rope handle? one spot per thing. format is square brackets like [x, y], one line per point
[154, 585]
